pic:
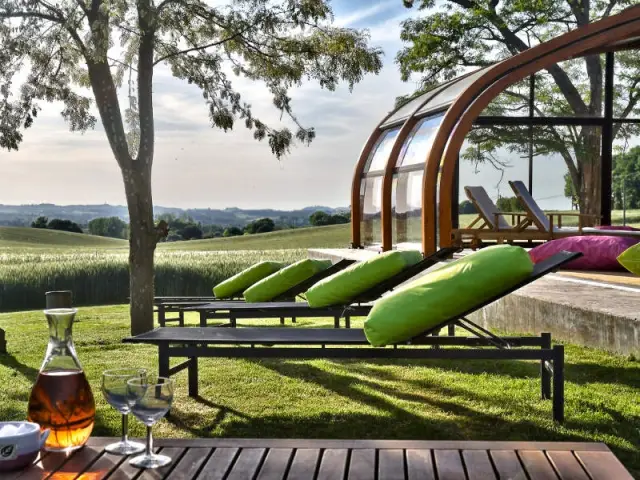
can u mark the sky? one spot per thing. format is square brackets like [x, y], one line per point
[196, 166]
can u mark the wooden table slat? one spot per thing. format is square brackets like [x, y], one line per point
[507, 464]
[449, 465]
[218, 464]
[420, 465]
[190, 464]
[603, 465]
[537, 465]
[17, 473]
[567, 466]
[77, 463]
[101, 468]
[275, 464]
[159, 473]
[333, 464]
[362, 465]
[305, 460]
[247, 464]
[391, 464]
[478, 465]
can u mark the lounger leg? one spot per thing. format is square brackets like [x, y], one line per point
[203, 319]
[181, 318]
[558, 383]
[281, 320]
[452, 330]
[545, 374]
[161, 315]
[336, 322]
[232, 322]
[293, 319]
[347, 321]
[193, 376]
[163, 360]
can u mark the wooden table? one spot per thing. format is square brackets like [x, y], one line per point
[209, 459]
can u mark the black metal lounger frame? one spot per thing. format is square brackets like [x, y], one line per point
[358, 307]
[177, 305]
[194, 343]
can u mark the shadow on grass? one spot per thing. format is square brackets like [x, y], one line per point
[13, 363]
[191, 421]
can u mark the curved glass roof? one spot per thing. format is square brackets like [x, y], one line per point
[440, 96]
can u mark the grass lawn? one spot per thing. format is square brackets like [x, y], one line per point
[346, 399]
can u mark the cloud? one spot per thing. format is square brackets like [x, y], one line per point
[356, 16]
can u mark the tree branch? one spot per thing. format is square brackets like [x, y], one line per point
[196, 48]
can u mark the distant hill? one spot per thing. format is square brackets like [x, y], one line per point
[23, 215]
[21, 237]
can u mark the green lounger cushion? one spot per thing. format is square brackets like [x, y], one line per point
[630, 259]
[341, 287]
[277, 283]
[445, 293]
[243, 280]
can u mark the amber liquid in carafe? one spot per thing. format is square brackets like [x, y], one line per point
[62, 402]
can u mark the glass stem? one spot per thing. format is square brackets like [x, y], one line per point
[125, 428]
[149, 442]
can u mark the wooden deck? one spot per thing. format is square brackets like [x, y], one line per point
[210, 459]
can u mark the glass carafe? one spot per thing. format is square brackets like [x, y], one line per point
[61, 399]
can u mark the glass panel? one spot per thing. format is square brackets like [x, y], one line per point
[380, 153]
[625, 182]
[371, 198]
[513, 102]
[624, 84]
[406, 200]
[417, 145]
[492, 156]
[404, 111]
[551, 100]
[449, 94]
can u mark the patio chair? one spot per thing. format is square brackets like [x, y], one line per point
[166, 305]
[359, 306]
[311, 343]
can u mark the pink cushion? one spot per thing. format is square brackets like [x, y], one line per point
[599, 252]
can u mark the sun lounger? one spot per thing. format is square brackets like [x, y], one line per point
[359, 306]
[308, 343]
[177, 305]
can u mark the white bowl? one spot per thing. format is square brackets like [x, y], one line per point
[20, 447]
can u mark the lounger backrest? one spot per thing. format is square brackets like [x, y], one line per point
[303, 286]
[537, 215]
[399, 278]
[485, 207]
[540, 269]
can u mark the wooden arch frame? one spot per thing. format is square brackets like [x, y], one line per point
[460, 116]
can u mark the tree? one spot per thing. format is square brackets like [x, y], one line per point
[509, 204]
[470, 33]
[64, 226]
[232, 232]
[570, 191]
[108, 227]
[40, 222]
[319, 218]
[466, 208]
[191, 232]
[54, 50]
[339, 219]
[626, 179]
[262, 225]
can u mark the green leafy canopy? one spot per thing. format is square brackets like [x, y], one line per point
[66, 46]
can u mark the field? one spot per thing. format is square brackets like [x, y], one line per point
[382, 399]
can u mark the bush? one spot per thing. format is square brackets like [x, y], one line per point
[40, 222]
[108, 227]
[64, 226]
[509, 204]
[263, 225]
[232, 232]
[191, 232]
[466, 208]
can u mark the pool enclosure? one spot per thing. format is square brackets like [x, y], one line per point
[496, 123]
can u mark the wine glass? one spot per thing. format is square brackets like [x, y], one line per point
[150, 399]
[114, 389]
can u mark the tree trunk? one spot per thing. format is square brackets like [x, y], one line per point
[142, 246]
[590, 160]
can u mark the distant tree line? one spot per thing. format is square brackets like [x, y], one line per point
[57, 224]
[320, 218]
